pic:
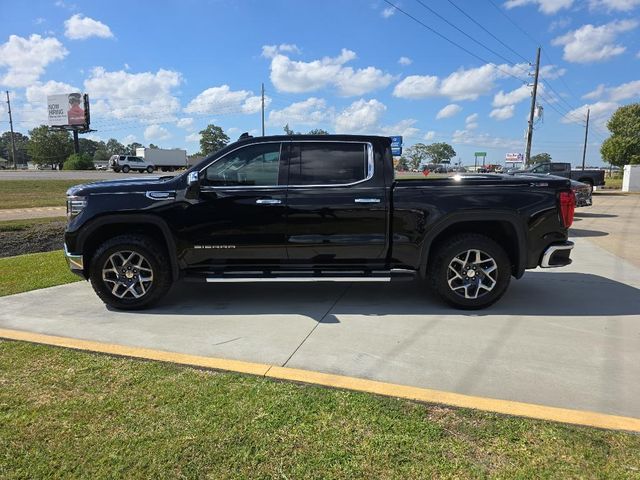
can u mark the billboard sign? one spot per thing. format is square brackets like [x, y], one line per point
[68, 110]
[514, 157]
[396, 145]
[480, 154]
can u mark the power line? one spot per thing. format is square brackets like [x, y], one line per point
[487, 31]
[452, 42]
[463, 32]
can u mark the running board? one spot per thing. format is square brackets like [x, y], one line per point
[309, 276]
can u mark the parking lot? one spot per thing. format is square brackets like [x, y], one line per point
[565, 338]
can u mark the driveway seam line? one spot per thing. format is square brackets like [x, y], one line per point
[317, 324]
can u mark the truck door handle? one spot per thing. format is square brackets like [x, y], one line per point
[268, 201]
[367, 200]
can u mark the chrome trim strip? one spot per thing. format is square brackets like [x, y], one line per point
[75, 262]
[161, 195]
[367, 200]
[370, 167]
[298, 279]
[268, 201]
[546, 258]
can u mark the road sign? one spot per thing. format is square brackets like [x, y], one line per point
[396, 151]
[396, 141]
[480, 154]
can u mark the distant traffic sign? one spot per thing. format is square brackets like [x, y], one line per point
[396, 141]
[480, 154]
[396, 152]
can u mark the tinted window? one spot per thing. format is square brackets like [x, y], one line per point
[328, 163]
[557, 167]
[255, 165]
[544, 168]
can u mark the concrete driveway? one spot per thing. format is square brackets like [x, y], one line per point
[565, 338]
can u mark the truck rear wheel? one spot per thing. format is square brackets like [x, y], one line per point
[130, 272]
[149, 169]
[126, 169]
[470, 271]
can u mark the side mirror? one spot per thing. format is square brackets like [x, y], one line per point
[193, 185]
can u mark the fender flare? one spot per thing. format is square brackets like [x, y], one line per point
[509, 217]
[90, 228]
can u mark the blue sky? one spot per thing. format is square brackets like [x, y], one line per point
[160, 71]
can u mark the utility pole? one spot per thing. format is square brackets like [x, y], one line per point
[534, 93]
[263, 109]
[586, 135]
[13, 142]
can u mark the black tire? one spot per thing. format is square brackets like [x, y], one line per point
[149, 169]
[454, 286]
[149, 292]
[126, 169]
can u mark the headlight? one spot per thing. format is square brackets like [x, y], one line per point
[75, 205]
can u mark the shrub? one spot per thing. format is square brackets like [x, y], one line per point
[78, 161]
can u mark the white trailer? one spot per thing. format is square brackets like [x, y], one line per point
[164, 159]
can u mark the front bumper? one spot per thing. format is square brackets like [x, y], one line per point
[75, 262]
[557, 255]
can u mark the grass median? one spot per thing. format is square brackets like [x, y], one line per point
[35, 193]
[33, 271]
[65, 413]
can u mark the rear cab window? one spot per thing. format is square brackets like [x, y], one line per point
[328, 163]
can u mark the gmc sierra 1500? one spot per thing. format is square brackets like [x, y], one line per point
[314, 208]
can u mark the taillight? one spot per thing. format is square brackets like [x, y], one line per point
[567, 202]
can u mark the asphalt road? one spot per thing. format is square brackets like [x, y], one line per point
[71, 174]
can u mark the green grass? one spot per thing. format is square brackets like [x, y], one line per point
[33, 271]
[615, 182]
[69, 414]
[20, 225]
[34, 193]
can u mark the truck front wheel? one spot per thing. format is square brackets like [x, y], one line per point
[470, 271]
[130, 272]
[149, 169]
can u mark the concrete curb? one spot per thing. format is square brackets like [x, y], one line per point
[540, 412]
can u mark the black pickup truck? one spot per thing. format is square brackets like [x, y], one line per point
[591, 177]
[314, 208]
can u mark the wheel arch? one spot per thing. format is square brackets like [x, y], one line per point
[109, 226]
[505, 228]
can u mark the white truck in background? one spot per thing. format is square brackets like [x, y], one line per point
[164, 159]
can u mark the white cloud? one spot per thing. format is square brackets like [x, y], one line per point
[593, 44]
[312, 111]
[471, 122]
[129, 139]
[548, 7]
[502, 99]
[224, 100]
[79, 27]
[194, 137]
[387, 12]
[405, 128]
[502, 113]
[146, 96]
[599, 114]
[404, 61]
[611, 5]
[624, 91]
[185, 122]
[449, 111]
[360, 116]
[463, 84]
[430, 135]
[26, 58]
[156, 132]
[298, 77]
[270, 51]
[38, 92]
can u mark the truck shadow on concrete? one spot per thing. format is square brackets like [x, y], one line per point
[582, 232]
[594, 215]
[539, 293]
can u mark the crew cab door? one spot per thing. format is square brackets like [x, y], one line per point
[240, 214]
[337, 207]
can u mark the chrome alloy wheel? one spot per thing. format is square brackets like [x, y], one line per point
[472, 274]
[128, 274]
